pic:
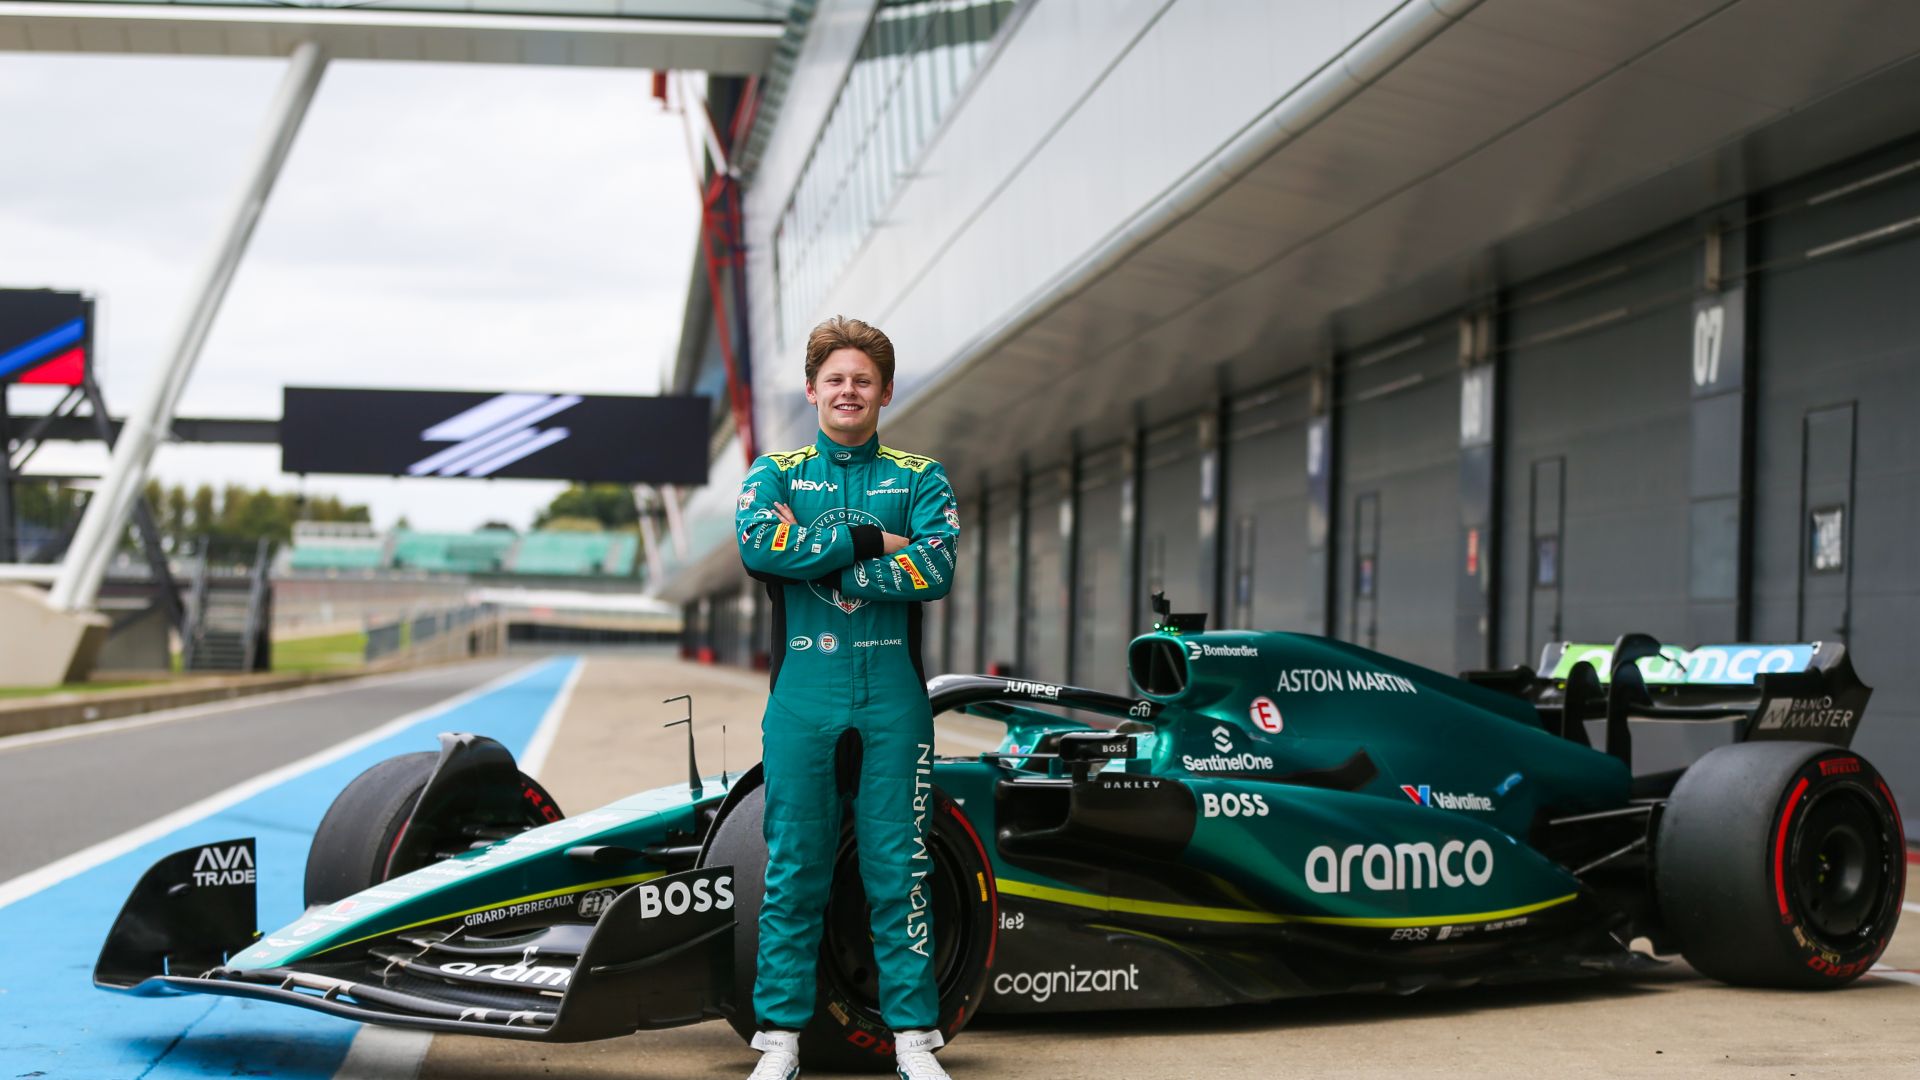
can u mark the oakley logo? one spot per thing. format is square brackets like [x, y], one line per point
[494, 434]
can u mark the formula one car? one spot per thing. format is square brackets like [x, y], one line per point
[1274, 815]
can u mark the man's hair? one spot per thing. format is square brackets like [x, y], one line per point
[841, 332]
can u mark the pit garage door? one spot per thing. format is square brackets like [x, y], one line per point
[1595, 374]
[1397, 507]
[999, 541]
[1266, 510]
[1100, 626]
[1170, 519]
[1045, 618]
[1837, 449]
[963, 622]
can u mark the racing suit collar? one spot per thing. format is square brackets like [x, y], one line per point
[847, 455]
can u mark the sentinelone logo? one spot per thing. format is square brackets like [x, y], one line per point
[493, 435]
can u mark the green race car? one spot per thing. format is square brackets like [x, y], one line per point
[1272, 815]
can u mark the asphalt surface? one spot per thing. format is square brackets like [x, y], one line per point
[97, 781]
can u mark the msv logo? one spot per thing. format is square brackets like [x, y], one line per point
[493, 435]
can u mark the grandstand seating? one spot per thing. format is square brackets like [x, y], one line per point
[489, 551]
[481, 552]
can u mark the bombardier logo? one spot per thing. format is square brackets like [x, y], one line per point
[1198, 649]
[494, 434]
[224, 866]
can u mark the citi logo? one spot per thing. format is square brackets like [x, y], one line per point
[814, 485]
[493, 435]
[224, 866]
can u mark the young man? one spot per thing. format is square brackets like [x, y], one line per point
[850, 537]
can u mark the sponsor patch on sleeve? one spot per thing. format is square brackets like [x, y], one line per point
[913, 572]
[780, 537]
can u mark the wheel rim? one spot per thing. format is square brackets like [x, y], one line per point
[1840, 864]
[847, 962]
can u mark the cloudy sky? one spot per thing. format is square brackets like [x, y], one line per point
[437, 226]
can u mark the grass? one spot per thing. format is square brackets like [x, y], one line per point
[7, 692]
[328, 653]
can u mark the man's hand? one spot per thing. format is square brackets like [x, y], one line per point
[893, 542]
[786, 515]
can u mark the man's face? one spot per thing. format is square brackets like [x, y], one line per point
[848, 395]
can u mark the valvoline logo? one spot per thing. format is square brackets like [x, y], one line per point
[1446, 800]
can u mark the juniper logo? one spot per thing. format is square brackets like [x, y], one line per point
[493, 435]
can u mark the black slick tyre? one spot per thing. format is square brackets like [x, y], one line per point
[1781, 864]
[368, 835]
[847, 1033]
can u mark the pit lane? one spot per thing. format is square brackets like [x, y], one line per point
[608, 743]
[1667, 1023]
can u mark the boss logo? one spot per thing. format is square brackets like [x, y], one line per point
[680, 897]
[1232, 804]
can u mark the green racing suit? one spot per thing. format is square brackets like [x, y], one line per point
[846, 659]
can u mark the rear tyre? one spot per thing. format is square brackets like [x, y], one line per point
[1781, 864]
[847, 1033]
[368, 834]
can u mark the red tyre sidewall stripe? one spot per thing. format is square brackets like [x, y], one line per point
[993, 886]
[1780, 849]
[1899, 836]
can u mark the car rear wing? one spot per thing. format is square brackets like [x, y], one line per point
[1806, 691]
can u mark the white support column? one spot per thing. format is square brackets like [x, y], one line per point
[78, 583]
[676, 525]
[644, 495]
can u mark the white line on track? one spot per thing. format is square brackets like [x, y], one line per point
[534, 757]
[1915, 908]
[381, 1053]
[205, 708]
[80, 861]
[1896, 974]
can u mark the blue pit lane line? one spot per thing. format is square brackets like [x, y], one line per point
[55, 1024]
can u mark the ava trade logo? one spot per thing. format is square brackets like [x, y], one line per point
[1426, 796]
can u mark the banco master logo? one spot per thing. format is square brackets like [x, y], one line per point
[1790, 713]
[839, 515]
[224, 866]
[493, 435]
[1446, 800]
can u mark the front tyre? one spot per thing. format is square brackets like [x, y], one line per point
[1781, 864]
[847, 1033]
[370, 834]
